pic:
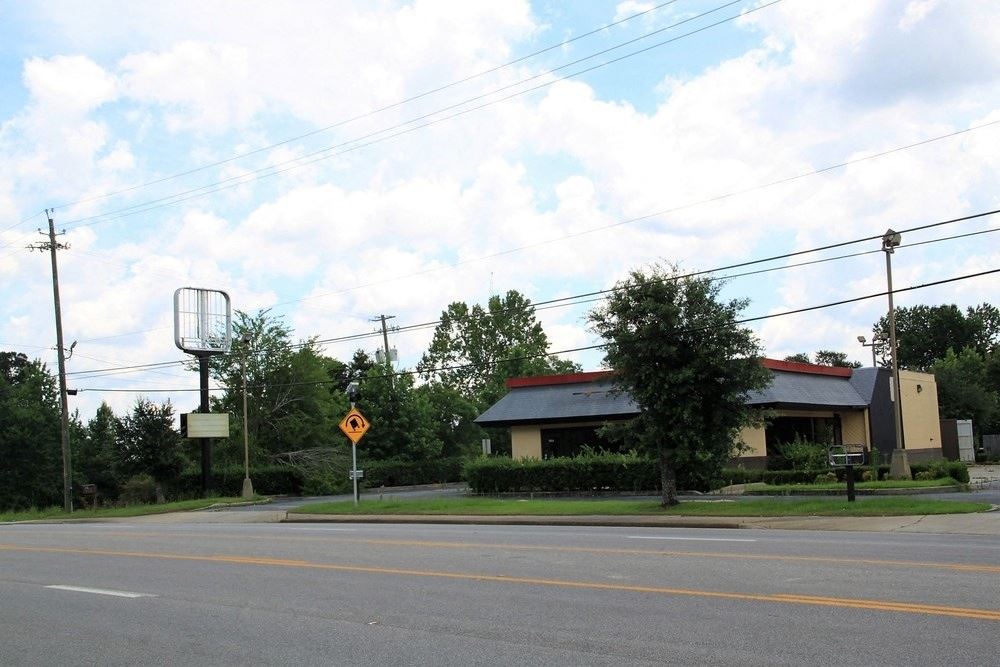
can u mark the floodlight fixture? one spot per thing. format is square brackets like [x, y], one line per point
[891, 240]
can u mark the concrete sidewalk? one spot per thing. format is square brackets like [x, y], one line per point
[987, 523]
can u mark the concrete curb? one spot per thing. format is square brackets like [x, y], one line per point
[508, 520]
[985, 523]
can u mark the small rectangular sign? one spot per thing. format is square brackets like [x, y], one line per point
[208, 425]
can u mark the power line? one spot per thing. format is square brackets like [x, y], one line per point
[574, 300]
[370, 113]
[647, 216]
[596, 346]
[325, 153]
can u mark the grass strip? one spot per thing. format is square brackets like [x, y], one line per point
[56, 513]
[841, 487]
[869, 506]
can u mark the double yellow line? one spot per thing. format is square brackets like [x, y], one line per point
[870, 605]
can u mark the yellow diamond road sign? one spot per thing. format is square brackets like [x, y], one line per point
[354, 425]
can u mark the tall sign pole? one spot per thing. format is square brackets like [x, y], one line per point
[203, 327]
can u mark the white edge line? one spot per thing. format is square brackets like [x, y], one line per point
[692, 539]
[101, 591]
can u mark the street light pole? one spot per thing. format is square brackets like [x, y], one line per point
[899, 466]
[247, 484]
[864, 343]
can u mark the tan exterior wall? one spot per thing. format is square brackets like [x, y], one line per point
[754, 439]
[921, 423]
[525, 442]
[854, 427]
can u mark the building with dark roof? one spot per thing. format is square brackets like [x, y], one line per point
[557, 415]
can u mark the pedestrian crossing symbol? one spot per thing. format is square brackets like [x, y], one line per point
[354, 425]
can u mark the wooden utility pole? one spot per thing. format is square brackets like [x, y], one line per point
[52, 246]
[385, 342]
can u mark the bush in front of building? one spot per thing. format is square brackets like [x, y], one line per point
[957, 470]
[394, 472]
[586, 473]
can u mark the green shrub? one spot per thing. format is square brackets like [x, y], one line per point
[957, 470]
[804, 455]
[395, 472]
[825, 478]
[587, 473]
[271, 480]
[138, 490]
[325, 482]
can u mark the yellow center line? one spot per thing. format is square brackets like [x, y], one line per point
[432, 544]
[872, 605]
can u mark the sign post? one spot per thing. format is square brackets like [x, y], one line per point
[354, 425]
[847, 456]
[203, 327]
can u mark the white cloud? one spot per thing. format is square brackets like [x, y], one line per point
[69, 84]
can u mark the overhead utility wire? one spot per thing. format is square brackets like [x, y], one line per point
[647, 216]
[325, 153]
[561, 301]
[585, 348]
[773, 258]
[366, 114]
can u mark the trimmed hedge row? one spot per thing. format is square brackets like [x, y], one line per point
[633, 473]
[607, 472]
[409, 473]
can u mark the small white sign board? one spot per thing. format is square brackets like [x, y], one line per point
[207, 425]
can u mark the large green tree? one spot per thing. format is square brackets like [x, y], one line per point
[94, 452]
[965, 389]
[474, 350]
[147, 444]
[30, 451]
[677, 350]
[825, 358]
[925, 333]
[402, 424]
[293, 401]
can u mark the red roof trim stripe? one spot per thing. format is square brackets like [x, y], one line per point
[811, 369]
[546, 380]
[594, 376]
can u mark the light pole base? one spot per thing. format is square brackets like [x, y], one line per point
[248, 487]
[899, 465]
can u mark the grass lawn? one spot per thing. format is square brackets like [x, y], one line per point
[871, 506]
[131, 510]
[842, 486]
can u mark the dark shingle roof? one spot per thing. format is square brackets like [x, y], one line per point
[596, 400]
[803, 390]
[583, 401]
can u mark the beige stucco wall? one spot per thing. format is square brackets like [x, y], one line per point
[921, 423]
[525, 442]
[753, 437]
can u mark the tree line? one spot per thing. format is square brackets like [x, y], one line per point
[295, 396]
[674, 343]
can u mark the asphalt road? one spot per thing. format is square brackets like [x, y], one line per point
[238, 594]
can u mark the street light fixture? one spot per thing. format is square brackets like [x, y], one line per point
[899, 466]
[864, 342]
[247, 484]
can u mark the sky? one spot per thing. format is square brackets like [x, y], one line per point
[334, 161]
